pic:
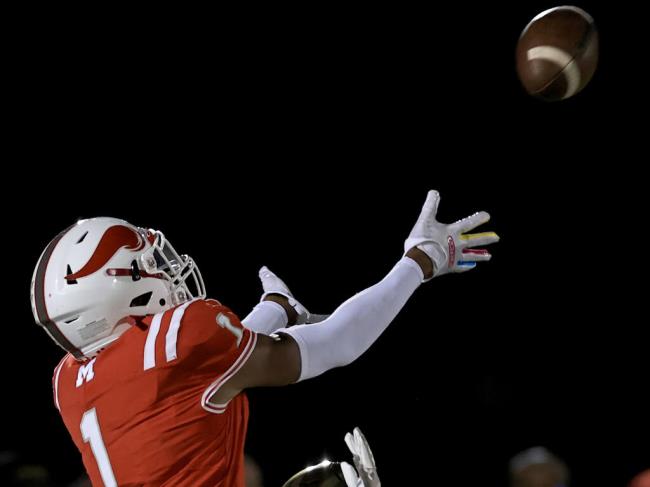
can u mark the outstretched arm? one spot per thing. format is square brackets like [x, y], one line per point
[302, 352]
[305, 351]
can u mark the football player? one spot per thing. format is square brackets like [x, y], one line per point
[151, 389]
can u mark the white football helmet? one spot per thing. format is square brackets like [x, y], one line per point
[98, 274]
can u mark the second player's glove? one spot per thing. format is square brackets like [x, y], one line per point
[364, 462]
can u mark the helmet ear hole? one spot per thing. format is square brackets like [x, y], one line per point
[135, 271]
[68, 272]
[141, 300]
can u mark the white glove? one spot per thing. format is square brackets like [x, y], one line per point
[272, 284]
[363, 460]
[447, 245]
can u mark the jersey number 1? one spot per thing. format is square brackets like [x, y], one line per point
[90, 432]
[224, 322]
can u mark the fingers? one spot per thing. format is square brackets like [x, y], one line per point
[265, 273]
[432, 201]
[350, 474]
[430, 207]
[349, 440]
[479, 239]
[471, 222]
[471, 256]
[367, 458]
[476, 255]
[271, 282]
[464, 266]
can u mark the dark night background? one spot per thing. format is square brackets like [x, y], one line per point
[305, 140]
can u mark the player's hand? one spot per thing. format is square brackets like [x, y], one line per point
[272, 284]
[449, 246]
[366, 470]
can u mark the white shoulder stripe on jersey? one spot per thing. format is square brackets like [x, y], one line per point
[56, 383]
[234, 368]
[150, 344]
[172, 333]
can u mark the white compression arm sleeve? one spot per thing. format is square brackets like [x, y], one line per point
[357, 323]
[266, 318]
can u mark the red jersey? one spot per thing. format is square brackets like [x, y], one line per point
[139, 413]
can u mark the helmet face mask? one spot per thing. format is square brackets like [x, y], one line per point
[179, 270]
[96, 275]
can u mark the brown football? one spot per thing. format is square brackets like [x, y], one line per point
[557, 53]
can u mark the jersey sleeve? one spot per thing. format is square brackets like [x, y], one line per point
[212, 345]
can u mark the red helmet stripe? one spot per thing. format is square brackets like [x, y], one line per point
[114, 239]
[39, 299]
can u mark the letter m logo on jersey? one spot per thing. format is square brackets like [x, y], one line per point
[86, 373]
